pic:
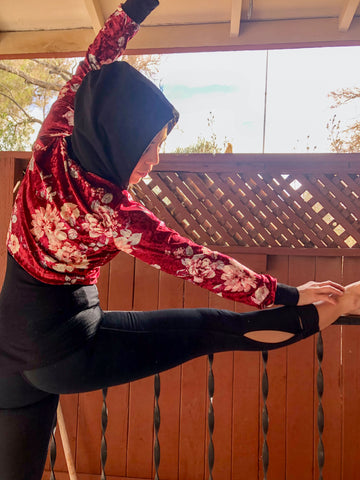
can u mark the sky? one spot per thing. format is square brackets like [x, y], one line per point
[237, 89]
[231, 85]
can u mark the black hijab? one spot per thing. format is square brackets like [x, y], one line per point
[118, 112]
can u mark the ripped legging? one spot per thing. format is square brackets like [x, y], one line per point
[127, 346]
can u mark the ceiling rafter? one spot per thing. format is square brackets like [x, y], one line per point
[300, 33]
[236, 6]
[95, 13]
[347, 14]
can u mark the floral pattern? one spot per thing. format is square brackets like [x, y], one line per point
[200, 267]
[66, 222]
[235, 279]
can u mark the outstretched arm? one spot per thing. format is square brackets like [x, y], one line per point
[107, 47]
[141, 234]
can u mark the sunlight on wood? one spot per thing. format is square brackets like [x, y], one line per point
[347, 14]
[96, 15]
[236, 6]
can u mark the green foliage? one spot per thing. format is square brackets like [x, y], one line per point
[29, 87]
[206, 145]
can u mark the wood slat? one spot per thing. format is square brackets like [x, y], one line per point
[193, 413]
[6, 189]
[179, 210]
[145, 195]
[121, 282]
[103, 286]
[273, 225]
[270, 194]
[235, 19]
[141, 397]
[171, 295]
[89, 433]
[223, 368]
[246, 401]
[215, 207]
[347, 14]
[351, 384]
[278, 266]
[120, 297]
[330, 268]
[335, 208]
[300, 389]
[312, 236]
[117, 430]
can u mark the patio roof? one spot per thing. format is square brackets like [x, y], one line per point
[45, 28]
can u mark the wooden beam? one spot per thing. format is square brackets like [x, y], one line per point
[347, 14]
[97, 18]
[250, 162]
[236, 6]
[187, 38]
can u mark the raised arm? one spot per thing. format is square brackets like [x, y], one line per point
[107, 47]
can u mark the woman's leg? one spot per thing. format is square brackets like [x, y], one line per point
[132, 345]
[25, 429]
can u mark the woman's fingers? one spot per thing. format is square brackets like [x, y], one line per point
[327, 291]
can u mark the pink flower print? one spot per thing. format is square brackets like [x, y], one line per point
[107, 198]
[47, 193]
[260, 295]
[69, 255]
[13, 244]
[236, 280]
[106, 214]
[200, 268]
[126, 240]
[96, 229]
[69, 115]
[31, 163]
[179, 252]
[182, 252]
[70, 213]
[47, 222]
[93, 62]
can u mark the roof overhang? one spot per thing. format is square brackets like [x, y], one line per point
[49, 28]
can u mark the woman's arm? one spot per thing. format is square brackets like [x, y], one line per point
[107, 47]
[141, 234]
[138, 232]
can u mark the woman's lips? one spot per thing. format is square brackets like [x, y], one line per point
[143, 174]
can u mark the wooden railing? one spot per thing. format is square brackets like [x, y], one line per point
[205, 197]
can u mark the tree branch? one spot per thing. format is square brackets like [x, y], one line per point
[64, 74]
[34, 81]
[29, 117]
[344, 95]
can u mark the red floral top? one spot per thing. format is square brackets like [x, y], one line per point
[66, 222]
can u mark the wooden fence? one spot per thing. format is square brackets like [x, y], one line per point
[292, 400]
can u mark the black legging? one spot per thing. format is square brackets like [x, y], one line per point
[126, 347]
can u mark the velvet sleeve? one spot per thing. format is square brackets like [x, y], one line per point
[141, 234]
[107, 47]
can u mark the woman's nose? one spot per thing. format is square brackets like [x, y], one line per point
[153, 160]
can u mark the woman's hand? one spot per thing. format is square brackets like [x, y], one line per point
[327, 291]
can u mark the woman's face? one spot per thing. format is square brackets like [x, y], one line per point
[149, 158]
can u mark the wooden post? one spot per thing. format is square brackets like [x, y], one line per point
[66, 444]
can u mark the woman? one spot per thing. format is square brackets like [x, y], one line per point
[72, 214]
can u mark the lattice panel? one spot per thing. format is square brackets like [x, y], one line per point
[258, 209]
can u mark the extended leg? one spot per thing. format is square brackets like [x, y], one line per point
[132, 345]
